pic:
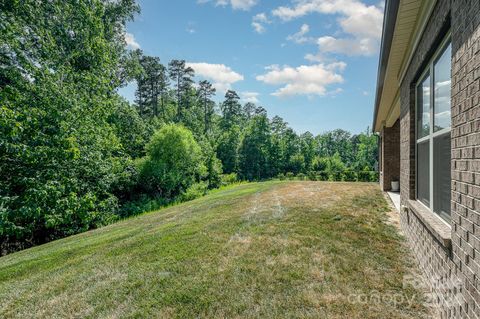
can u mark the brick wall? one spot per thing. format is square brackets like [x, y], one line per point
[390, 157]
[466, 149]
[458, 265]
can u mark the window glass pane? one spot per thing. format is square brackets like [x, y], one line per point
[442, 91]
[423, 172]
[442, 175]
[423, 108]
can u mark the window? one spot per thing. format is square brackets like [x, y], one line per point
[433, 148]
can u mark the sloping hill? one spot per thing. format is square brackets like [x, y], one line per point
[275, 249]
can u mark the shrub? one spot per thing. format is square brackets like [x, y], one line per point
[297, 163]
[363, 176]
[143, 203]
[290, 175]
[334, 164]
[301, 176]
[281, 176]
[227, 179]
[322, 176]
[349, 176]
[312, 176]
[173, 163]
[320, 163]
[335, 176]
[195, 191]
[213, 167]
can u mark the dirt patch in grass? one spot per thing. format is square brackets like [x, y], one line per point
[260, 250]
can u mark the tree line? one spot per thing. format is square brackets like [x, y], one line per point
[75, 155]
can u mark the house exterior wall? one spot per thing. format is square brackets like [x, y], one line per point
[390, 157]
[456, 265]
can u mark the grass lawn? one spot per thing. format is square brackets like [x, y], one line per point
[259, 250]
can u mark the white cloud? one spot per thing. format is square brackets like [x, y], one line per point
[259, 21]
[243, 4]
[236, 4]
[356, 16]
[361, 23]
[221, 75]
[300, 37]
[303, 80]
[251, 97]
[131, 42]
[354, 46]
[315, 57]
[258, 27]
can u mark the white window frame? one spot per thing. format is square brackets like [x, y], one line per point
[429, 71]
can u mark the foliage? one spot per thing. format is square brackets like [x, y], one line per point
[62, 62]
[213, 165]
[205, 93]
[181, 75]
[131, 130]
[173, 162]
[231, 109]
[152, 83]
[254, 150]
[227, 149]
[194, 191]
[297, 163]
[228, 179]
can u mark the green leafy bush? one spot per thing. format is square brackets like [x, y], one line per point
[141, 204]
[194, 191]
[346, 175]
[290, 176]
[319, 163]
[364, 176]
[213, 166]
[322, 176]
[374, 176]
[227, 179]
[173, 163]
[335, 176]
[297, 163]
[349, 176]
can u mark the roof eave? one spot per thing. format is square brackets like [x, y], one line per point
[389, 20]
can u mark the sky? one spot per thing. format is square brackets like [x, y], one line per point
[312, 62]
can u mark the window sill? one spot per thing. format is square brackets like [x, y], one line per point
[439, 229]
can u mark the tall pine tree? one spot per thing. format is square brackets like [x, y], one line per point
[152, 86]
[182, 76]
[205, 93]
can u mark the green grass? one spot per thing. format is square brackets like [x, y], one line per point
[260, 250]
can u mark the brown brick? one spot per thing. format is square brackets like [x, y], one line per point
[463, 261]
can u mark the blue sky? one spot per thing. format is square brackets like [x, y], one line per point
[312, 62]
